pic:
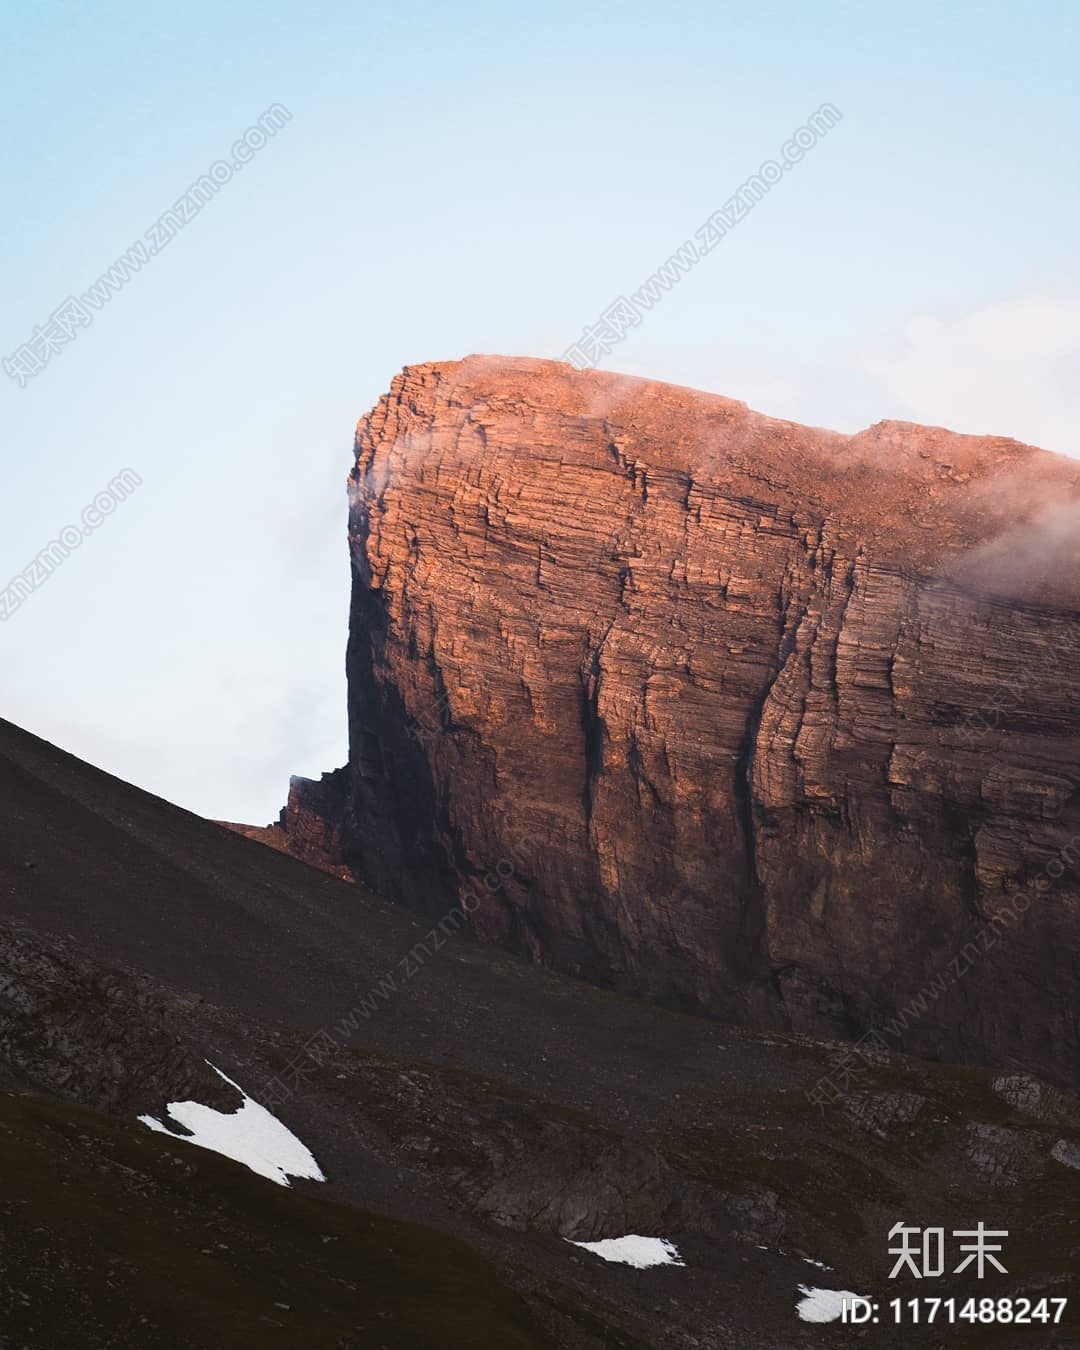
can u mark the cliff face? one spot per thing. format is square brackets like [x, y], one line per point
[744, 716]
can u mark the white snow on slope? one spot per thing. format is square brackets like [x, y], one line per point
[824, 1305]
[635, 1250]
[251, 1136]
[779, 1251]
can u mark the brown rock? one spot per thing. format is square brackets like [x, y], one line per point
[681, 694]
[309, 826]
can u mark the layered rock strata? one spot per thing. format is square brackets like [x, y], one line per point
[748, 717]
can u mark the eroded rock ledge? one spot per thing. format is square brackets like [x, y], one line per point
[695, 687]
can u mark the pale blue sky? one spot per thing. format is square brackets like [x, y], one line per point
[455, 179]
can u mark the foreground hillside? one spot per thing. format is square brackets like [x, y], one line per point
[112, 1240]
[468, 1117]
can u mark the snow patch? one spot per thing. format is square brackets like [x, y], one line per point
[779, 1251]
[251, 1136]
[824, 1305]
[634, 1250]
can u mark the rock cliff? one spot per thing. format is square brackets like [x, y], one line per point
[743, 716]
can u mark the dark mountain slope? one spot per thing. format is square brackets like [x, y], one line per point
[110, 1239]
[498, 1105]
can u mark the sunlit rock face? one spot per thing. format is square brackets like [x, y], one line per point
[745, 716]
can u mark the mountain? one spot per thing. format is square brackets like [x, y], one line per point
[643, 688]
[471, 1112]
[747, 717]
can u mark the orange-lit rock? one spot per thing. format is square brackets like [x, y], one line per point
[681, 694]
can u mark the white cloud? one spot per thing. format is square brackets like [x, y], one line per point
[1007, 369]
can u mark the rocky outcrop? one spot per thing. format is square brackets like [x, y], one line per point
[310, 823]
[744, 716]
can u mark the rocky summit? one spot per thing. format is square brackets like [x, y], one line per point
[751, 718]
